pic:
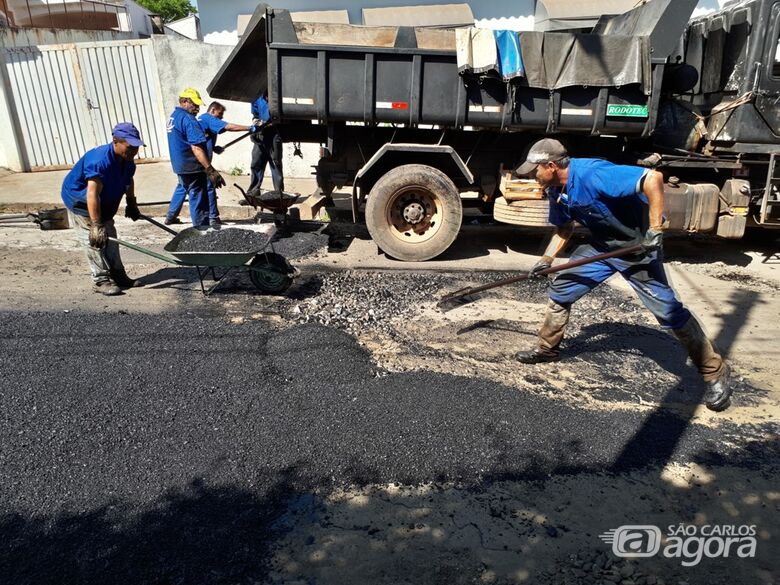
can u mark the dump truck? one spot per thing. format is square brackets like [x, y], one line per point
[415, 129]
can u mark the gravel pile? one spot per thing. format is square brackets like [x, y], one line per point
[301, 244]
[223, 240]
[354, 301]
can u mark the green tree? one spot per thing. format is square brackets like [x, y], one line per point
[169, 10]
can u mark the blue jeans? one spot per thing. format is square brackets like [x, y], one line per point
[645, 274]
[196, 186]
[177, 202]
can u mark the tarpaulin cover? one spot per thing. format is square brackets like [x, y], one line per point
[476, 50]
[552, 60]
[556, 60]
[510, 60]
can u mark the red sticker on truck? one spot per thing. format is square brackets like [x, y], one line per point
[392, 105]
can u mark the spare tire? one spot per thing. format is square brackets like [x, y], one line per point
[531, 212]
[414, 212]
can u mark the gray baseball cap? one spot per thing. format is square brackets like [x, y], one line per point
[544, 151]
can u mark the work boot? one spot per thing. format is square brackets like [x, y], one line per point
[709, 362]
[550, 336]
[215, 222]
[122, 280]
[718, 395]
[171, 220]
[108, 288]
[536, 356]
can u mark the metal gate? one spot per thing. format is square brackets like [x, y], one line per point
[69, 97]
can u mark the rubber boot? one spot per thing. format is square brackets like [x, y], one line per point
[709, 362]
[121, 279]
[550, 336]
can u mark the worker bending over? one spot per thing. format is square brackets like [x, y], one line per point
[620, 206]
[92, 191]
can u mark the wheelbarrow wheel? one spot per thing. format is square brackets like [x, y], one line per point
[271, 273]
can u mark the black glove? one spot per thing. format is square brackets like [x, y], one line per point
[132, 211]
[654, 240]
[219, 149]
[215, 178]
[543, 263]
[255, 128]
[98, 237]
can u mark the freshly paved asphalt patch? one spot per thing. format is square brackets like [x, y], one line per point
[155, 449]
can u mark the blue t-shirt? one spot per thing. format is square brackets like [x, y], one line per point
[260, 109]
[604, 197]
[212, 126]
[184, 131]
[102, 163]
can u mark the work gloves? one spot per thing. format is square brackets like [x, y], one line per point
[255, 128]
[98, 237]
[543, 263]
[132, 211]
[215, 178]
[653, 240]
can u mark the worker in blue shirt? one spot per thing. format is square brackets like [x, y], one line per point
[187, 145]
[92, 192]
[267, 147]
[620, 206]
[213, 125]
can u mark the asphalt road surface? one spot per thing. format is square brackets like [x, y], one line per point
[163, 449]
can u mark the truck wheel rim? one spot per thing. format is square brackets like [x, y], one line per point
[414, 214]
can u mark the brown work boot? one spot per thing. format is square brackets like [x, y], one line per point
[122, 280]
[709, 362]
[550, 336]
[107, 287]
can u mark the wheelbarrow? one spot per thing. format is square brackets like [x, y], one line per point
[269, 272]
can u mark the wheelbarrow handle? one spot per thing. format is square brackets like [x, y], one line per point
[158, 224]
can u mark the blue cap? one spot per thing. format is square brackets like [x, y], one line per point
[127, 131]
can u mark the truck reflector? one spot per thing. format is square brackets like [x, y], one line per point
[299, 101]
[392, 105]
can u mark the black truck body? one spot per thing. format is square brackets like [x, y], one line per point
[402, 124]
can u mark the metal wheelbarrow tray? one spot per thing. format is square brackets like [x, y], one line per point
[269, 272]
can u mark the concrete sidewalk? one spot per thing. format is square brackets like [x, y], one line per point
[154, 183]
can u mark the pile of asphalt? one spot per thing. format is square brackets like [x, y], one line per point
[356, 301]
[300, 244]
[223, 240]
[158, 448]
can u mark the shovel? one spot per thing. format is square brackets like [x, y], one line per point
[466, 296]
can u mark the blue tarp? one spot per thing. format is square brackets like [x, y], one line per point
[510, 59]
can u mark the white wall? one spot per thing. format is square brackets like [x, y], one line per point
[187, 27]
[183, 63]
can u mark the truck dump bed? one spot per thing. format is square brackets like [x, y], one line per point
[587, 83]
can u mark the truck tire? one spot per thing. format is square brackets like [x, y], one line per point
[531, 212]
[414, 213]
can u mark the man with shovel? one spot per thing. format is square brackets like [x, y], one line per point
[213, 125]
[620, 206]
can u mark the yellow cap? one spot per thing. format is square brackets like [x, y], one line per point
[192, 94]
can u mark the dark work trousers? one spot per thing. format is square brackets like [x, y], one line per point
[267, 148]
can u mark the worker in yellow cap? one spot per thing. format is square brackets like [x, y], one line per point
[187, 145]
